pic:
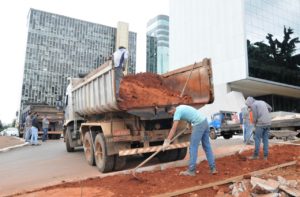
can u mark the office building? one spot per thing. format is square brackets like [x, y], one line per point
[59, 47]
[253, 45]
[158, 27]
[151, 58]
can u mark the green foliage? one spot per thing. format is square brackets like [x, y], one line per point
[1, 126]
[275, 61]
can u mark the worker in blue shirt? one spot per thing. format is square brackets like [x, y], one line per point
[200, 133]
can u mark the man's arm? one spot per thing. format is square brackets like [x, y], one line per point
[269, 107]
[170, 136]
[173, 130]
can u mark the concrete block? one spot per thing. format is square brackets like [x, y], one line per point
[290, 191]
[261, 186]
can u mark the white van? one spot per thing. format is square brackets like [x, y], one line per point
[11, 131]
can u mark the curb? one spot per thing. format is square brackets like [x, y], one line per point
[156, 167]
[13, 147]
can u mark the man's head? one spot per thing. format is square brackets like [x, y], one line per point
[121, 47]
[249, 101]
[171, 110]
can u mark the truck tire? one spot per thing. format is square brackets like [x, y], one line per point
[213, 134]
[168, 155]
[227, 136]
[68, 145]
[88, 149]
[120, 162]
[181, 153]
[104, 162]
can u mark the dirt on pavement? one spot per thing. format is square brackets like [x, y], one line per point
[8, 141]
[148, 89]
[158, 182]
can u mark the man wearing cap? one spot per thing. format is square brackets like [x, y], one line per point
[200, 133]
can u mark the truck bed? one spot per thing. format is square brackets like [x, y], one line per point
[100, 86]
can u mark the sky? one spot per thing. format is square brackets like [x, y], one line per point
[13, 21]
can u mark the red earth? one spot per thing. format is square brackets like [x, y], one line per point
[148, 89]
[159, 182]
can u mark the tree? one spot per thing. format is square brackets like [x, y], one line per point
[1, 126]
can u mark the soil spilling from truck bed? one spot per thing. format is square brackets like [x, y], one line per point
[158, 182]
[146, 90]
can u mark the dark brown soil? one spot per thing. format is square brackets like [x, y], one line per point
[169, 180]
[146, 90]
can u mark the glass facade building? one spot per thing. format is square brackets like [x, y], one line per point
[59, 47]
[273, 46]
[151, 59]
[158, 27]
[254, 46]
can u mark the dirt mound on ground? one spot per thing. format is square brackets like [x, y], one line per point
[159, 182]
[146, 90]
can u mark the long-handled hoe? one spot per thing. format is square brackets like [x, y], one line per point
[133, 172]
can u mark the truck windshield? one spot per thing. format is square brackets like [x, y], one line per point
[217, 117]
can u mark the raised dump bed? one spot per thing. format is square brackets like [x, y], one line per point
[95, 94]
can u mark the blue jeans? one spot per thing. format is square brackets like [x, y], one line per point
[27, 134]
[34, 135]
[247, 128]
[261, 133]
[45, 134]
[200, 133]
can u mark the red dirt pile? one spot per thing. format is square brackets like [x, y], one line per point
[146, 90]
[159, 182]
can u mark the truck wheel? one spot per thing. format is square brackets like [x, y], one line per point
[181, 153]
[168, 155]
[120, 162]
[227, 136]
[68, 145]
[104, 162]
[88, 149]
[212, 134]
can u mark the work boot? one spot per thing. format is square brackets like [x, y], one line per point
[187, 173]
[214, 171]
[253, 157]
[266, 158]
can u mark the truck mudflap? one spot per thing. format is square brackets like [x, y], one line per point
[137, 151]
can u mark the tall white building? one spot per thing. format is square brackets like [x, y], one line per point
[234, 35]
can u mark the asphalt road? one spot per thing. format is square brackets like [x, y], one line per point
[32, 167]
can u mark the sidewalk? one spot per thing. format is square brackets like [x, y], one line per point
[10, 142]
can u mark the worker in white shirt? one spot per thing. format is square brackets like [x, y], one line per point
[120, 57]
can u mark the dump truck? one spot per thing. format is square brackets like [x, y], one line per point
[55, 117]
[110, 130]
[223, 124]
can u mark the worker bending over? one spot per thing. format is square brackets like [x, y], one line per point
[200, 133]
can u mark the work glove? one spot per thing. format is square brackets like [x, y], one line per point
[166, 144]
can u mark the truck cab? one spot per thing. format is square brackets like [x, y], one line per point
[224, 123]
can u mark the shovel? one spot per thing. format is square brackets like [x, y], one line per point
[182, 92]
[243, 147]
[155, 153]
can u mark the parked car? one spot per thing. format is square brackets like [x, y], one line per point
[11, 131]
